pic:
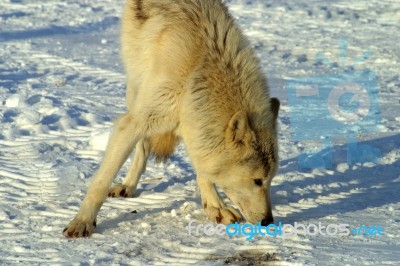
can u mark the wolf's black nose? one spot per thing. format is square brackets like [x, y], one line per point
[267, 221]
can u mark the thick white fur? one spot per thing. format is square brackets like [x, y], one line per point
[192, 74]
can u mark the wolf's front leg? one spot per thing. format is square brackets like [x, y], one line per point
[215, 208]
[121, 143]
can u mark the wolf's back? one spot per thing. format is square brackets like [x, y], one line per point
[209, 42]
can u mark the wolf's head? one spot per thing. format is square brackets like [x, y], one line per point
[251, 162]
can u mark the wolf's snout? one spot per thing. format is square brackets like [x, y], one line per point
[267, 221]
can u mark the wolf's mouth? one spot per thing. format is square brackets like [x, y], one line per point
[242, 211]
[254, 219]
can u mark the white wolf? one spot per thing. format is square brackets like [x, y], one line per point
[191, 75]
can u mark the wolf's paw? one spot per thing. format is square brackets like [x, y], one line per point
[222, 215]
[120, 190]
[78, 228]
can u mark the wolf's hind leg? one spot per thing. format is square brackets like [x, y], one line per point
[129, 184]
[125, 134]
[215, 208]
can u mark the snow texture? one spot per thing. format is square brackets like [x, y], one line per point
[62, 85]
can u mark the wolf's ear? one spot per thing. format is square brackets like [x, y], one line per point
[275, 104]
[239, 131]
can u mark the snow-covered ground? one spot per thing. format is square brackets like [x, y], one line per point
[62, 84]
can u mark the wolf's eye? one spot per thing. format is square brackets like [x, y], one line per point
[258, 182]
